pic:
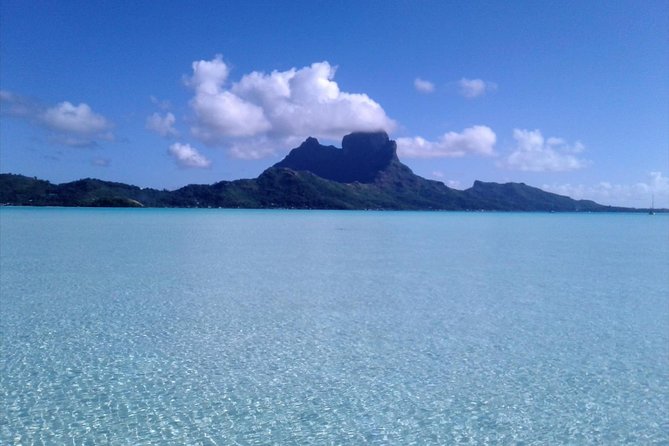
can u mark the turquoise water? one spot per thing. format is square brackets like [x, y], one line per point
[289, 327]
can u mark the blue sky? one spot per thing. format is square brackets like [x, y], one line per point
[569, 96]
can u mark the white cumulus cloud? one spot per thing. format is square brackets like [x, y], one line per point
[162, 125]
[476, 140]
[78, 119]
[187, 156]
[68, 124]
[423, 86]
[273, 107]
[473, 88]
[534, 153]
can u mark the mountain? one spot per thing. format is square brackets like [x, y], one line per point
[364, 174]
[362, 158]
[521, 197]
[369, 161]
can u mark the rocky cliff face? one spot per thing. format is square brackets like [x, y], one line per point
[362, 157]
[370, 159]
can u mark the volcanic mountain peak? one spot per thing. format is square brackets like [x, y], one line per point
[364, 174]
[362, 156]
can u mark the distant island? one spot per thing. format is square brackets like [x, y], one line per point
[364, 174]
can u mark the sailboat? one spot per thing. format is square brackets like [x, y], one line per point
[651, 211]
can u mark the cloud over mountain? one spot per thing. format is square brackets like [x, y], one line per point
[475, 140]
[273, 107]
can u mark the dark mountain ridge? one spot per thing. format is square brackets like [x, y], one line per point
[364, 174]
[362, 157]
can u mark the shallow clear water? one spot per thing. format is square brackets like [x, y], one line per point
[290, 327]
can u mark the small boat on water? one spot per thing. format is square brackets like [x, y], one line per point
[651, 211]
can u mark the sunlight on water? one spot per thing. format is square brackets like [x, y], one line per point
[290, 327]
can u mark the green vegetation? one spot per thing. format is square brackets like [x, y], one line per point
[365, 174]
[286, 188]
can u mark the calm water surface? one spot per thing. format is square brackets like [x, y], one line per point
[289, 327]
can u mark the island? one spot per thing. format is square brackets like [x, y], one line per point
[365, 173]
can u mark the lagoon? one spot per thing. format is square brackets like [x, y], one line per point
[178, 326]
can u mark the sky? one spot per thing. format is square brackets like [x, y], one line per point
[568, 96]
